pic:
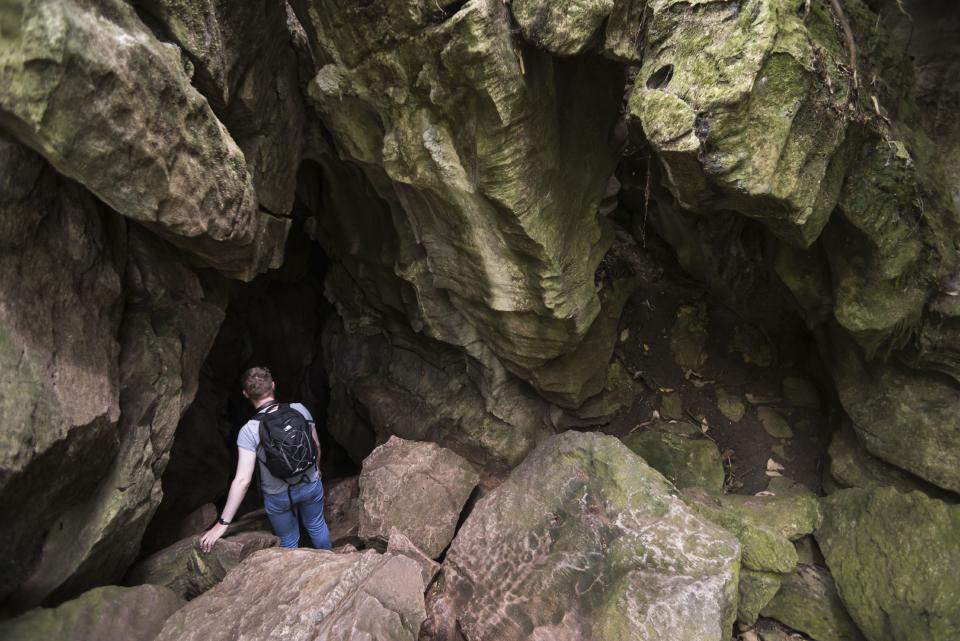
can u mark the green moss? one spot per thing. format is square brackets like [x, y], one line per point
[688, 337]
[730, 405]
[756, 589]
[685, 461]
[808, 601]
[894, 558]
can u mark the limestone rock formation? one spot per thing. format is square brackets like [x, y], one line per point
[808, 601]
[685, 460]
[146, 142]
[417, 489]
[168, 324]
[893, 557]
[111, 612]
[766, 526]
[308, 594]
[187, 571]
[341, 509]
[584, 540]
[399, 543]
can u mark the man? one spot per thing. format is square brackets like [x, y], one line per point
[284, 502]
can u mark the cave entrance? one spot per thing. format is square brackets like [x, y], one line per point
[277, 321]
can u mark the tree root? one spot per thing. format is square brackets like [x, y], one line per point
[851, 44]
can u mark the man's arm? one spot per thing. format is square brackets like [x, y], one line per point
[238, 489]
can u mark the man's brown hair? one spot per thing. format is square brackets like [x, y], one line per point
[257, 382]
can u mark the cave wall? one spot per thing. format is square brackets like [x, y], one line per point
[461, 165]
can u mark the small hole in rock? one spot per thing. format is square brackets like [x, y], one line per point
[660, 78]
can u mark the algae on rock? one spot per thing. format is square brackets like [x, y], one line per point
[893, 557]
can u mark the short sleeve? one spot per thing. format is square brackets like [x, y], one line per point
[303, 410]
[247, 439]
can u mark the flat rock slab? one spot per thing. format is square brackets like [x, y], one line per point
[187, 571]
[111, 612]
[301, 595]
[585, 541]
[894, 558]
[416, 488]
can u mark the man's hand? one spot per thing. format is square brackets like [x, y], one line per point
[211, 536]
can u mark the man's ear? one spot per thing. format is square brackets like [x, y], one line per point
[273, 386]
[244, 392]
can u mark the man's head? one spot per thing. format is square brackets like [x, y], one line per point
[257, 384]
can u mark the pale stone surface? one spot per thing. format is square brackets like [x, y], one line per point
[302, 595]
[584, 540]
[417, 489]
[111, 612]
[399, 543]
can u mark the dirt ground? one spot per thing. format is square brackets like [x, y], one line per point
[745, 373]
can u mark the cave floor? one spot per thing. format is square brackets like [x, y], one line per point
[745, 375]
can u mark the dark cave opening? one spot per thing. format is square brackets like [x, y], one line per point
[276, 320]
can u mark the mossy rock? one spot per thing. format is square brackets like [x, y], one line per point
[110, 612]
[852, 466]
[685, 461]
[765, 525]
[894, 558]
[808, 602]
[756, 590]
[730, 405]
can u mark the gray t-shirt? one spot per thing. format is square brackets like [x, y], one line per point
[249, 439]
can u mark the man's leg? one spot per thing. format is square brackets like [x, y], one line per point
[282, 519]
[310, 504]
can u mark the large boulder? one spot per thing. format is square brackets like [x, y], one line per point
[301, 595]
[146, 142]
[168, 325]
[111, 612]
[61, 305]
[738, 115]
[894, 558]
[188, 571]
[584, 540]
[418, 489]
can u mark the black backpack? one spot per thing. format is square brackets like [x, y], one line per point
[286, 443]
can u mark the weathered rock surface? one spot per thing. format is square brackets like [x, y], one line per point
[341, 509]
[307, 594]
[187, 571]
[146, 142]
[400, 544]
[418, 489]
[686, 461]
[111, 612]
[808, 602]
[61, 304]
[169, 322]
[765, 525]
[584, 540]
[756, 589]
[894, 558]
[852, 466]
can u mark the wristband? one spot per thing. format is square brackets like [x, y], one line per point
[221, 521]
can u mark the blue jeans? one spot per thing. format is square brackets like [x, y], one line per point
[308, 500]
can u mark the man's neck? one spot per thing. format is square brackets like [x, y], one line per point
[263, 402]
